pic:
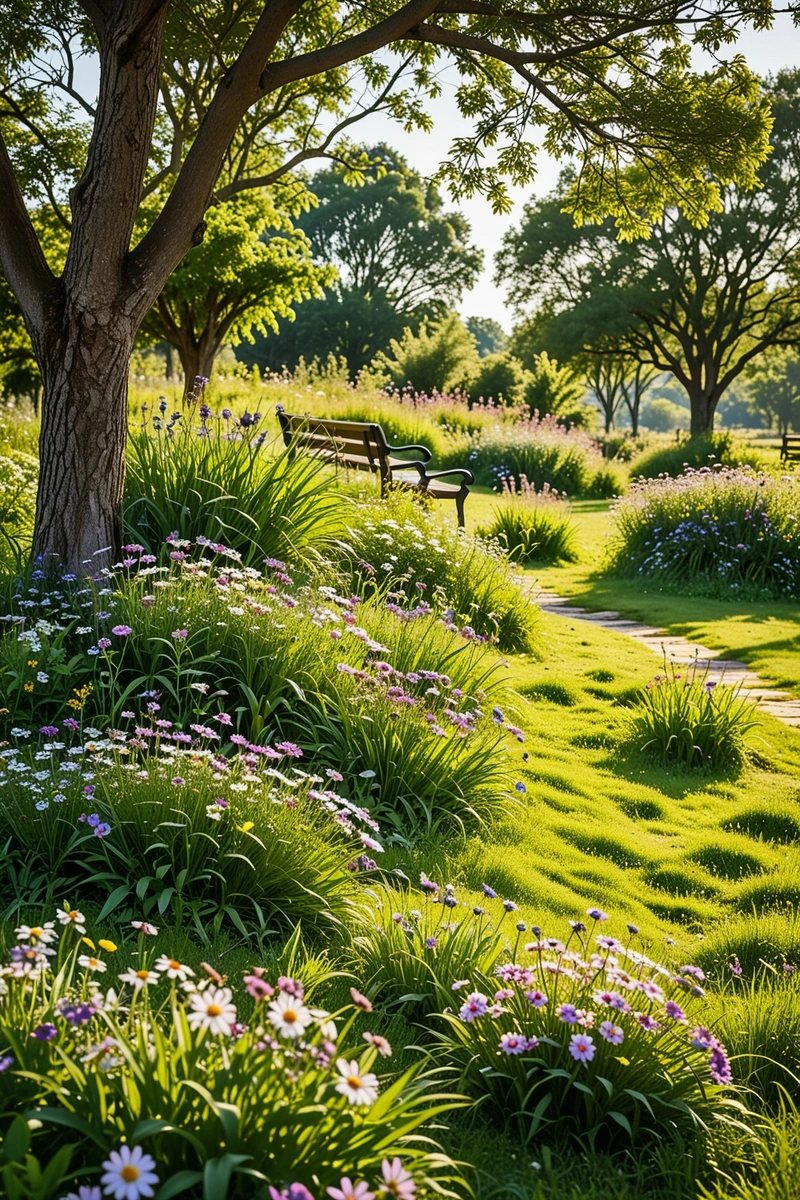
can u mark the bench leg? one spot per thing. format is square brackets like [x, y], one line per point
[460, 498]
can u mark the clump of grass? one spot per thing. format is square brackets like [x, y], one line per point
[770, 822]
[398, 547]
[533, 526]
[751, 940]
[223, 478]
[760, 1025]
[682, 718]
[728, 531]
[720, 447]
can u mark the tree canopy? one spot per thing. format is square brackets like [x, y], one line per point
[400, 259]
[700, 302]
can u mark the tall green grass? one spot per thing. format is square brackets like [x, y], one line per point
[532, 526]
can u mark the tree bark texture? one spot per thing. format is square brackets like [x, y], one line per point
[82, 444]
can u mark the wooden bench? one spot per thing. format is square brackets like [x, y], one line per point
[790, 448]
[362, 446]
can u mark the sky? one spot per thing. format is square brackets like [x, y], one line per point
[765, 52]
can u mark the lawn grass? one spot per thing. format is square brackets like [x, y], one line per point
[763, 634]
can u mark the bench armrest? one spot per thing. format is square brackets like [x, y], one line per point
[421, 450]
[468, 477]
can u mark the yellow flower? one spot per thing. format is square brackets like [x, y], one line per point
[107, 945]
[27, 687]
[33, 662]
[89, 943]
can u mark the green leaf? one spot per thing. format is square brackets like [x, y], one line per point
[177, 1184]
[113, 901]
[622, 1120]
[17, 1141]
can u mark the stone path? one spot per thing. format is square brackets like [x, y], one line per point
[682, 652]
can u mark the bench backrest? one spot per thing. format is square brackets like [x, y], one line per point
[346, 442]
[790, 447]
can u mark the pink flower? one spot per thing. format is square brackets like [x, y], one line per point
[223, 719]
[397, 1180]
[474, 1006]
[536, 998]
[350, 1191]
[380, 1044]
[180, 634]
[513, 1043]
[122, 630]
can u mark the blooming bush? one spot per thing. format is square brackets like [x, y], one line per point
[407, 551]
[672, 458]
[537, 447]
[533, 526]
[166, 1079]
[682, 717]
[727, 531]
[587, 1035]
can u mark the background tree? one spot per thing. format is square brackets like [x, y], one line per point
[250, 268]
[178, 85]
[490, 337]
[439, 358]
[774, 390]
[701, 303]
[400, 258]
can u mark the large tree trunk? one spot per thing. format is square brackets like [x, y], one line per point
[82, 444]
[196, 361]
[703, 406]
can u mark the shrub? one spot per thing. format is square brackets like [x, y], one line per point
[533, 526]
[404, 549]
[539, 448]
[685, 719]
[585, 1036]
[168, 1069]
[213, 476]
[437, 358]
[698, 452]
[727, 531]
[500, 377]
[554, 390]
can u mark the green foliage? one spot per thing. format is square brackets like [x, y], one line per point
[157, 1068]
[774, 390]
[249, 269]
[401, 260]
[533, 526]
[217, 478]
[499, 377]
[728, 531]
[439, 358]
[696, 452]
[662, 416]
[751, 940]
[760, 1025]
[19, 475]
[490, 337]
[682, 718]
[553, 390]
[405, 549]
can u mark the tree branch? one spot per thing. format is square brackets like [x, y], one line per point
[21, 257]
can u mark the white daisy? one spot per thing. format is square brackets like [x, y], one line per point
[288, 1015]
[128, 1174]
[145, 927]
[37, 933]
[212, 1009]
[172, 968]
[92, 964]
[357, 1088]
[72, 917]
[139, 979]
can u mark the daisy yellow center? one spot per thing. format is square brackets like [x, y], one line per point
[94, 962]
[392, 1187]
[129, 1173]
[289, 1016]
[174, 965]
[214, 1010]
[36, 931]
[354, 1081]
[142, 974]
[72, 914]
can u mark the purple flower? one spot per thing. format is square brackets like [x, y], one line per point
[6, 1063]
[789, 968]
[180, 634]
[45, 1032]
[633, 928]
[102, 830]
[290, 749]
[335, 775]
[431, 943]
[581, 1047]
[647, 1022]
[473, 1007]
[719, 1066]
[94, 820]
[520, 787]
[513, 1043]
[121, 630]
[536, 998]
[428, 885]
[75, 1014]
[567, 1013]
[178, 781]
[103, 643]
[510, 906]
[734, 967]
[596, 914]
[702, 1038]
[89, 790]
[675, 1011]
[612, 1033]
[49, 730]
[490, 893]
